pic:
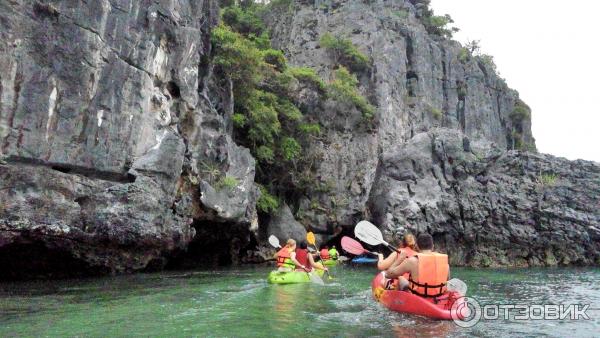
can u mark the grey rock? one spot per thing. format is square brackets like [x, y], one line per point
[283, 226]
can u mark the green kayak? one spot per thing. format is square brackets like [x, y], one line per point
[276, 277]
[330, 262]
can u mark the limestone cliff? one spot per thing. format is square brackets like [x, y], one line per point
[117, 151]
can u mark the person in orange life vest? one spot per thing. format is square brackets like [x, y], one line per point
[324, 253]
[306, 259]
[428, 270]
[286, 257]
[408, 249]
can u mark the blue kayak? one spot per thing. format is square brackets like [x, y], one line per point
[364, 260]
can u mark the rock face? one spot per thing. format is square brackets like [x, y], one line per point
[116, 151]
[112, 145]
[488, 207]
[445, 121]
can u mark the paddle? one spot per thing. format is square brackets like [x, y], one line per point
[310, 238]
[368, 233]
[314, 278]
[274, 241]
[354, 247]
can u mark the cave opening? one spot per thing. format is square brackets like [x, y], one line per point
[34, 260]
[215, 244]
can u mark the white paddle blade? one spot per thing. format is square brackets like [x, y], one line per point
[368, 233]
[274, 241]
[314, 278]
[343, 258]
[457, 285]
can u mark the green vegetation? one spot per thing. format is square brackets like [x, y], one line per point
[521, 112]
[266, 117]
[344, 52]
[343, 87]
[227, 182]
[436, 113]
[487, 61]
[266, 203]
[307, 75]
[548, 179]
[464, 55]
[402, 14]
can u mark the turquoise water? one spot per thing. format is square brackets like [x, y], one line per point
[240, 303]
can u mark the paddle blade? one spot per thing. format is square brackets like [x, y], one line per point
[310, 238]
[274, 241]
[314, 278]
[352, 246]
[457, 285]
[343, 259]
[368, 233]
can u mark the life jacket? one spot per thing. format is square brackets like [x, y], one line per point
[433, 275]
[284, 258]
[333, 253]
[302, 258]
[324, 254]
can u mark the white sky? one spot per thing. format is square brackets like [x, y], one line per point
[548, 50]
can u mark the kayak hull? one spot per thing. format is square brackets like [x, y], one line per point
[448, 304]
[364, 260]
[293, 277]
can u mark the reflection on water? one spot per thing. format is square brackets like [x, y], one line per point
[232, 303]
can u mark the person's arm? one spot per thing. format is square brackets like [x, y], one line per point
[398, 261]
[315, 264]
[384, 264]
[399, 270]
[293, 258]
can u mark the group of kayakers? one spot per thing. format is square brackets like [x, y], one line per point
[416, 267]
[294, 257]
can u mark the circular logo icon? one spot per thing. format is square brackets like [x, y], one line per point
[466, 312]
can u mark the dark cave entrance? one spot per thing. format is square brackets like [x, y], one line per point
[216, 244]
[34, 260]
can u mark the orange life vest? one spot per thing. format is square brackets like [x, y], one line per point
[284, 258]
[324, 254]
[433, 275]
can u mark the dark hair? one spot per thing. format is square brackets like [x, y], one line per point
[425, 242]
[324, 247]
[303, 245]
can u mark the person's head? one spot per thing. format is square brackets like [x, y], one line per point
[425, 242]
[291, 243]
[303, 245]
[409, 241]
[333, 247]
[324, 247]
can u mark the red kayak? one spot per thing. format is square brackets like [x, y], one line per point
[406, 302]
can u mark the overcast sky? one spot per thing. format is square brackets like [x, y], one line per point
[548, 50]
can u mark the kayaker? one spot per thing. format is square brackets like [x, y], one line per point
[333, 253]
[408, 249]
[324, 253]
[286, 257]
[428, 270]
[306, 259]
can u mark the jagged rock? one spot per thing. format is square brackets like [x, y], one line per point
[533, 209]
[106, 126]
[283, 226]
